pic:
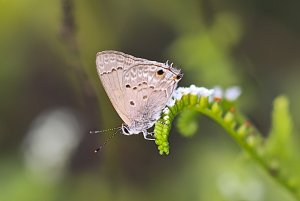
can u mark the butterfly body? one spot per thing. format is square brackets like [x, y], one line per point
[137, 88]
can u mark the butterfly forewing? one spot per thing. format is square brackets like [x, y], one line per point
[110, 67]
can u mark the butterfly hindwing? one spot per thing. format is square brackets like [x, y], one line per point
[147, 92]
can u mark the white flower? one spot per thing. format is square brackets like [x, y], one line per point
[230, 94]
[199, 91]
[177, 95]
[183, 90]
[218, 92]
[194, 89]
[202, 91]
[171, 102]
[233, 93]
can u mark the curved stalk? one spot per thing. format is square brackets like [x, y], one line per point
[235, 124]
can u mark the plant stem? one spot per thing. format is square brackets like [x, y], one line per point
[248, 137]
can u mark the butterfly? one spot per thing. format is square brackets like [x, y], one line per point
[138, 89]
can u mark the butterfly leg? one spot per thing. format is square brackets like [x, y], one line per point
[146, 135]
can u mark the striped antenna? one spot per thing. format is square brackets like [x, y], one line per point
[102, 131]
[106, 141]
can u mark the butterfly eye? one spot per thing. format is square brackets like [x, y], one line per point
[132, 103]
[125, 130]
[160, 72]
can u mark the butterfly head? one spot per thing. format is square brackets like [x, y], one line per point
[175, 74]
[178, 76]
[136, 127]
[133, 129]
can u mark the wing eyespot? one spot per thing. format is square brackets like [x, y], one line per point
[178, 77]
[160, 73]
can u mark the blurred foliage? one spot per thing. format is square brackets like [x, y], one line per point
[280, 142]
[47, 62]
[211, 48]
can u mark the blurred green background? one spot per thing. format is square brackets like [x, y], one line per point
[51, 97]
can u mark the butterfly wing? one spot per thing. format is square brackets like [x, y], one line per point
[110, 67]
[148, 87]
[137, 88]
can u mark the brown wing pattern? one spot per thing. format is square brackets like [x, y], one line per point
[148, 87]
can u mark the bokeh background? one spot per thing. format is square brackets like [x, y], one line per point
[51, 97]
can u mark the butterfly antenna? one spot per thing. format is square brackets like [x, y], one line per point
[106, 130]
[106, 141]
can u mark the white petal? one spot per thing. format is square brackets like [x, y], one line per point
[194, 89]
[233, 93]
[205, 92]
[218, 92]
[177, 95]
[171, 102]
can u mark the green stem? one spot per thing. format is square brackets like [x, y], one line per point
[236, 126]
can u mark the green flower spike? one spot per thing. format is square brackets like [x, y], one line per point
[182, 99]
[219, 106]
